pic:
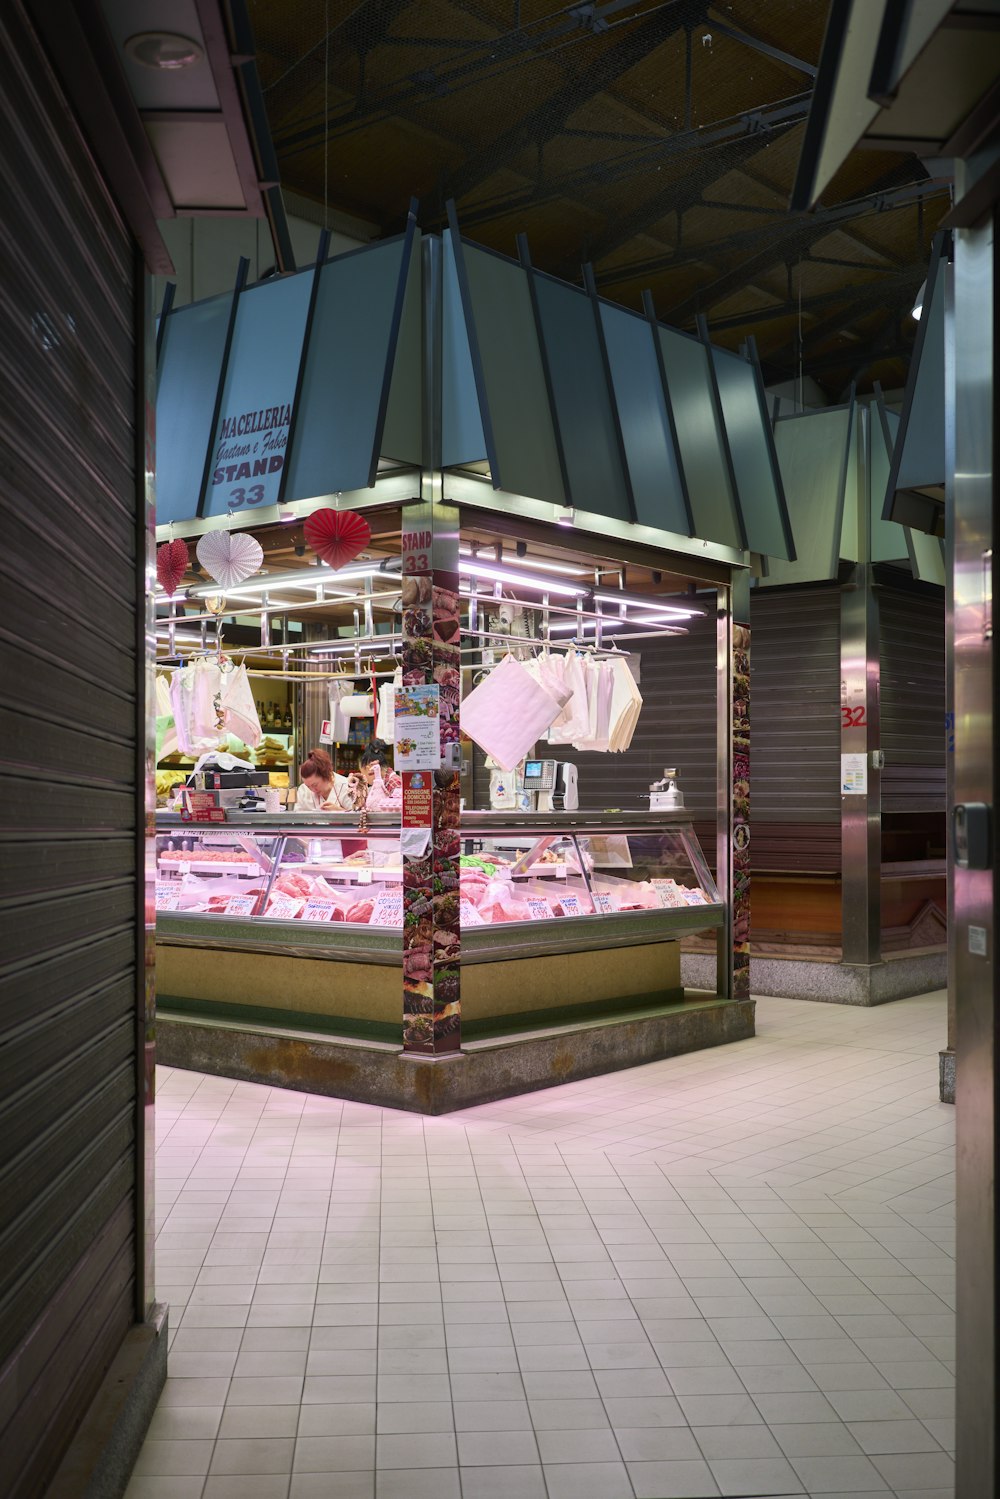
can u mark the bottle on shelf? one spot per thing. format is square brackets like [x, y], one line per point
[288, 717]
[270, 715]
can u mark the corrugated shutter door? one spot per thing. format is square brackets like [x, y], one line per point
[795, 729]
[68, 899]
[911, 650]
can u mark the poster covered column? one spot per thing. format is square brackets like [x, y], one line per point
[426, 748]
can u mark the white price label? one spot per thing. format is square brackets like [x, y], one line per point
[468, 915]
[387, 911]
[667, 894]
[183, 866]
[540, 909]
[364, 876]
[241, 905]
[570, 905]
[167, 895]
[604, 901]
[695, 897]
[318, 910]
[284, 907]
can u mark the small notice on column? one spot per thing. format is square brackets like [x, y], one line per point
[854, 775]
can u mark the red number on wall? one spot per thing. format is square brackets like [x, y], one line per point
[853, 718]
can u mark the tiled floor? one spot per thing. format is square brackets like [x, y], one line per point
[722, 1274]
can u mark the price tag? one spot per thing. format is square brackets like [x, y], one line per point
[167, 895]
[241, 905]
[468, 915]
[183, 866]
[570, 905]
[604, 902]
[667, 894]
[540, 909]
[283, 907]
[387, 911]
[695, 897]
[364, 876]
[318, 910]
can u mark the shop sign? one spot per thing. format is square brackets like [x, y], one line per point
[854, 775]
[417, 738]
[416, 799]
[417, 551]
[326, 731]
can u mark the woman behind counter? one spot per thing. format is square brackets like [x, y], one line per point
[321, 789]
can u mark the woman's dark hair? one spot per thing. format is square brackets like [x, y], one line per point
[317, 764]
[377, 751]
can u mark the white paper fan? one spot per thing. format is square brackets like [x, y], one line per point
[230, 557]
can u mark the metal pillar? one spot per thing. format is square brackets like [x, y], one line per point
[946, 1058]
[975, 785]
[861, 780]
[732, 780]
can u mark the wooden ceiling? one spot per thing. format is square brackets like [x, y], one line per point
[657, 139]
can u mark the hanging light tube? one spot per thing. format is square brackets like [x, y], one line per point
[636, 602]
[517, 579]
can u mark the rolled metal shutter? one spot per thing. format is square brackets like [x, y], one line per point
[795, 729]
[69, 936]
[911, 655]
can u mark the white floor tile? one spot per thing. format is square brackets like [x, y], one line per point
[741, 1259]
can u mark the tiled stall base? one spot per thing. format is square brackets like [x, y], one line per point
[727, 1273]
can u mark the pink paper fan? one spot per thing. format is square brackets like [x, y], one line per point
[230, 557]
[172, 560]
[337, 536]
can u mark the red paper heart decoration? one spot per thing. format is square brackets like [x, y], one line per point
[337, 536]
[171, 564]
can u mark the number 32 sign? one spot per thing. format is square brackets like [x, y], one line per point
[853, 718]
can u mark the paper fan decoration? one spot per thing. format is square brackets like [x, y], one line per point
[171, 564]
[337, 536]
[230, 557]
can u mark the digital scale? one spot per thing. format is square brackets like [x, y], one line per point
[554, 782]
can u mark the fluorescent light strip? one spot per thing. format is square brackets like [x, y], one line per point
[635, 602]
[517, 579]
[307, 578]
[542, 566]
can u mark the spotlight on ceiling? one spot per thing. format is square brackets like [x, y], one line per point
[917, 310]
[164, 51]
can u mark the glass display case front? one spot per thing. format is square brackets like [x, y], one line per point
[520, 876]
[605, 879]
[315, 875]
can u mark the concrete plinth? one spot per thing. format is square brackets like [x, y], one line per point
[103, 1453]
[379, 1073]
[946, 1076]
[829, 982]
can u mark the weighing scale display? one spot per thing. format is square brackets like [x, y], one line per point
[539, 775]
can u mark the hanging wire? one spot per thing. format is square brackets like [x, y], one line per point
[326, 118]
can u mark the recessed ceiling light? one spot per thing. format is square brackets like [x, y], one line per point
[165, 51]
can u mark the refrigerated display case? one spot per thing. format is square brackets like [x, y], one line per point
[300, 920]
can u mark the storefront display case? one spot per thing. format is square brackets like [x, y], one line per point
[560, 913]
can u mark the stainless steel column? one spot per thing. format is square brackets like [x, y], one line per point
[732, 785]
[861, 808]
[975, 781]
